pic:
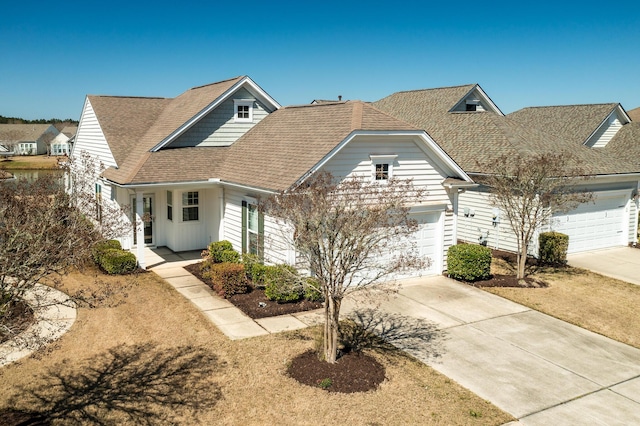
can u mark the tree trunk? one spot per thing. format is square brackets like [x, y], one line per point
[331, 329]
[522, 261]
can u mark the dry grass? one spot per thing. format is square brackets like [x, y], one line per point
[245, 381]
[29, 162]
[601, 304]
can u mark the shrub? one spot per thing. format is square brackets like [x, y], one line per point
[312, 290]
[100, 247]
[222, 251]
[227, 278]
[469, 262]
[254, 268]
[553, 248]
[116, 262]
[282, 284]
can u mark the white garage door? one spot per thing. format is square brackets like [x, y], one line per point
[594, 226]
[428, 239]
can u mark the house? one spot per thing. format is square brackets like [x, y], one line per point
[197, 164]
[469, 127]
[634, 114]
[63, 142]
[26, 139]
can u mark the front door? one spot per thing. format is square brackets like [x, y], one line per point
[147, 217]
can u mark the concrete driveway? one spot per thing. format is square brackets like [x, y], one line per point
[622, 263]
[537, 368]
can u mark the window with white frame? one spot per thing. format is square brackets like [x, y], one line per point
[170, 205]
[252, 228]
[190, 206]
[382, 167]
[243, 110]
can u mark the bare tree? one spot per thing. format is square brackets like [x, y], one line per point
[349, 235]
[530, 190]
[11, 139]
[47, 138]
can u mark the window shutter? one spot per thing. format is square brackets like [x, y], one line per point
[244, 226]
[261, 236]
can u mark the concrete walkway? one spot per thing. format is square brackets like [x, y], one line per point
[537, 368]
[222, 313]
[622, 263]
[54, 315]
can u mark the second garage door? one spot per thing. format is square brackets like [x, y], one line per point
[595, 225]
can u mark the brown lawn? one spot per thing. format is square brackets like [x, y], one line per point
[601, 304]
[29, 162]
[155, 359]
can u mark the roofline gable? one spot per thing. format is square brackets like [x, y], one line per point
[263, 96]
[618, 108]
[483, 95]
[428, 143]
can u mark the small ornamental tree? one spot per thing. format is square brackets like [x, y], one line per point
[529, 190]
[348, 234]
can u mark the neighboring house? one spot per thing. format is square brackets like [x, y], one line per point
[26, 139]
[63, 142]
[634, 114]
[465, 122]
[197, 164]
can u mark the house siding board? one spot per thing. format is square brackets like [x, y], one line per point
[218, 127]
[91, 139]
[411, 162]
[605, 133]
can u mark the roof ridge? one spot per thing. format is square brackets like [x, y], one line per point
[318, 105]
[437, 88]
[569, 105]
[217, 82]
[127, 97]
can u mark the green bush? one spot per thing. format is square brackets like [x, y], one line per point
[469, 262]
[100, 247]
[553, 248]
[282, 284]
[227, 278]
[222, 251]
[254, 268]
[116, 262]
[312, 290]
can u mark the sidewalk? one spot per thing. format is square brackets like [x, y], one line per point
[222, 313]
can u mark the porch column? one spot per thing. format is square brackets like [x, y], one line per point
[140, 229]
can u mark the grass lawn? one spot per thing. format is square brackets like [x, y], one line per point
[159, 359]
[601, 304]
[29, 162]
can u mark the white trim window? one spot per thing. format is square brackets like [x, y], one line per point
[190, 206]
[382, 167]
[243, 110]
[170, 205]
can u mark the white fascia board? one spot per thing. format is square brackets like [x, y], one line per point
[428, 143]
[159, 184]
[261, 95]
[247, 187]
[484, 97]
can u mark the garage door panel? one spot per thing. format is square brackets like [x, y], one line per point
[593, 226]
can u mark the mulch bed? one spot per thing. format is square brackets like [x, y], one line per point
[509, 281]
[19, 317]
[353, 372]
[255, 304]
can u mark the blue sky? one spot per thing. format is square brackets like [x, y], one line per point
[521, 53]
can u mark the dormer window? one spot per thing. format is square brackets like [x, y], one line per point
[382, 167]
[243, 110]
[472, 107]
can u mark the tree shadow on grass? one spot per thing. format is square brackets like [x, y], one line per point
[139, 384]
[392, 333]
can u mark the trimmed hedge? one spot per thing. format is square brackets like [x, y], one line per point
[469, 262]
[223, 252]
[227, 278]
[100, 247]
[254, 268]
[312, 290]
[116, 262]
[282, 284]
[553, 248]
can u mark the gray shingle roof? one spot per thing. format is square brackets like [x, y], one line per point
[634, 114]
[22, 132]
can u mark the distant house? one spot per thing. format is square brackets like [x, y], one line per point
[63, 142]
[26, 139]
[634, 114]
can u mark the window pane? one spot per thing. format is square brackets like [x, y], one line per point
[189, 213]
[252, 218]
[170, 197]
[253, 243]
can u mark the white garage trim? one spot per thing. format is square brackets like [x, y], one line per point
[597, 225]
